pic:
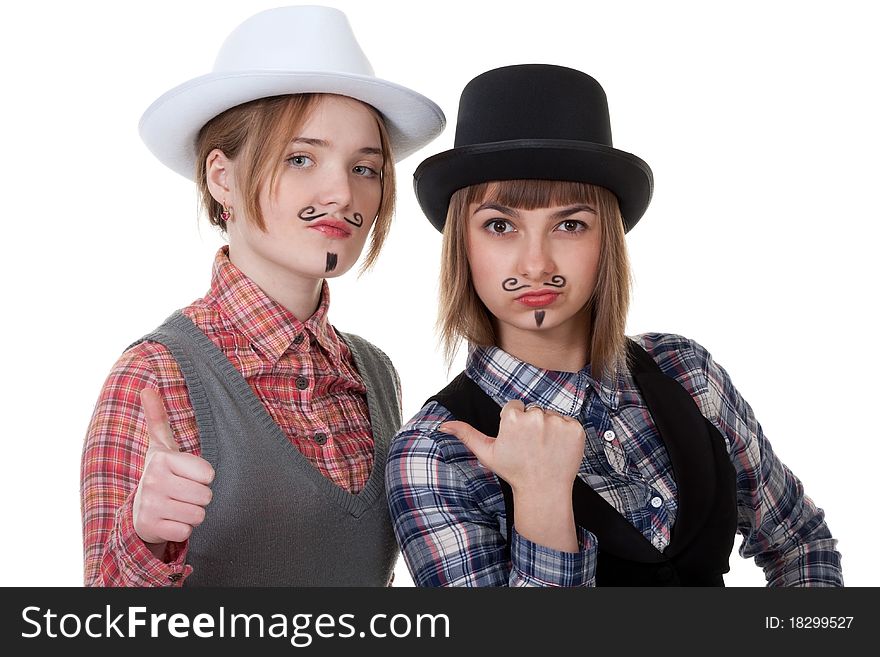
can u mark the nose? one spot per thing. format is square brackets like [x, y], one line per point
[334, 187]
[535, 260]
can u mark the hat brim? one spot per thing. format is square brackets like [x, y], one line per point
[170, 126]
[627, 176]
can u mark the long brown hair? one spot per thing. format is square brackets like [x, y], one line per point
[463, 315]
[255, 135]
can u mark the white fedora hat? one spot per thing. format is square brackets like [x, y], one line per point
[289, 50]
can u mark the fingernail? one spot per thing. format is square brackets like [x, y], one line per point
[445, 429]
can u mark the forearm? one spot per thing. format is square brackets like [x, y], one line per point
[445, 510]
[546, 518]
[799, 550]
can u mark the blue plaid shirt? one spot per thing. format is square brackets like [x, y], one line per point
[448, 510]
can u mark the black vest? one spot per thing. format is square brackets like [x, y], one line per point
[705, 525]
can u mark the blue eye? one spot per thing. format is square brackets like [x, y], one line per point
[365, 171]
[300, 161]
[499, 227]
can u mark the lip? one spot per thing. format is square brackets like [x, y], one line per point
[332, 228]
[538, 298]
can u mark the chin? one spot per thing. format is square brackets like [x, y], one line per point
[333, 267]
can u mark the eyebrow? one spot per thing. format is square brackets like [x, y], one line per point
[323, 143]
[510, 212]
[561, 214]
[573, 209]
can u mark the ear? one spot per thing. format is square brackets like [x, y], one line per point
[220, 174]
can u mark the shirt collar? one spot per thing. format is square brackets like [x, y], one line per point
[267, 325]
[504, 377]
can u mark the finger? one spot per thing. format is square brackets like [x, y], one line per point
[171, 530]
[512, 408]
[158, 428]
[189, 491]
[514, 405]
[192, 467]
[189, 514]
[477, 442]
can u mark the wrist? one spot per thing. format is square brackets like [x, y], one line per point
[555, 492]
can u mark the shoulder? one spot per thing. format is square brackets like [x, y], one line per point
[675, 354]
[145, 364]
[671, 350]
[361, 352]
[420, 438]
[362, 346]
[683, 359]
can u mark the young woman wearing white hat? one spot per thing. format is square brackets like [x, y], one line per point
[267, 468]
[567, 454]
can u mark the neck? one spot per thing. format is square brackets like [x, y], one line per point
[298, 294]
[563, 348]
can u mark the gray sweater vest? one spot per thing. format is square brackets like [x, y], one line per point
[274, 519]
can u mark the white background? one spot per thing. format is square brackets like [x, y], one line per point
[759, 120]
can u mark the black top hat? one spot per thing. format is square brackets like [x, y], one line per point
[533, 121]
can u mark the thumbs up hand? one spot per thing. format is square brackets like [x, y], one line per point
[538, 453]
[535, 450]
[174, 488]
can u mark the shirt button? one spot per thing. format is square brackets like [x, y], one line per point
[320, 437]
[299, 338]
[664, 574]
[608, 435]
[656, 502]
[302, 382]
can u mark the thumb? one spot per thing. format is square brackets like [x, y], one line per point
[159, 432]
[480, 445]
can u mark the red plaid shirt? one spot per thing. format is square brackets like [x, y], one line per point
[272, 349]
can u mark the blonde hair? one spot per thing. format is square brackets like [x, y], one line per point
[463, 315]
[255, 135]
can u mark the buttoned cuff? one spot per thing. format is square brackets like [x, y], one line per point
[136, 563]
[538, 565]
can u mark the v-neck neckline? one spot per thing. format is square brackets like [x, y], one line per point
[355, 503]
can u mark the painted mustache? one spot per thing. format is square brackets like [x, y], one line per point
[308, 214]
[512, 284]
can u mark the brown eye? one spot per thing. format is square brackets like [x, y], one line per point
[571, 226]
[498, 227]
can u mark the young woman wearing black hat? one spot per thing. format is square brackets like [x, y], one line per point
[567, 454]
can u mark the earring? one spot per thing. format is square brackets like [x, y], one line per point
[226, 214]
